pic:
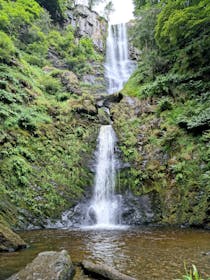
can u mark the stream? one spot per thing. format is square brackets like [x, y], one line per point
[145, 252]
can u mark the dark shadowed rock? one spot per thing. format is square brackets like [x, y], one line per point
[139, 210]
[10, 241]
[86, 107]
[47, 266]
[102, 270]
[105, 100]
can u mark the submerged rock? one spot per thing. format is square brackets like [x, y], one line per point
[102, 270]
[47, 266]
[10, 241]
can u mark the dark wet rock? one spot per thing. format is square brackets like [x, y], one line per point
[107, 99]
[74, 217]
[138, 210]
[104, 116]
[47, 266]
[102, 270]
[10, 241]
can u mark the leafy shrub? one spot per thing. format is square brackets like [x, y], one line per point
[16, 170]
[51, 85]
[196, 123]
[26, 122]
[7, 48]
[165, 104]
[16, 14]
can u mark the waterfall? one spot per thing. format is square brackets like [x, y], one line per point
[105, 209]
[118, 66]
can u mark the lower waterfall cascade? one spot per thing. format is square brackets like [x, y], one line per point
[104, 210]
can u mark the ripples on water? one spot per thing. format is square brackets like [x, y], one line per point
[149, 253]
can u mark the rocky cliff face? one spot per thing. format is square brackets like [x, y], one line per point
[89, 24]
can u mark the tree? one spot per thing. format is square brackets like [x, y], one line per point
[92, 3]
[181, 21]
[141, 4]
[108, 9]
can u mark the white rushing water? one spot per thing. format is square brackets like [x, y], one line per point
[118, 66]
[105, 208]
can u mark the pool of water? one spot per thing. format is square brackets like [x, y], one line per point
[144, 253]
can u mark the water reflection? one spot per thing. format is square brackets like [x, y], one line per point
[106, 246]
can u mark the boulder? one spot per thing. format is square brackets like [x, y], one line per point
[47, 266]
[102, 270]
[70, 81]
[10, 241]
[105, 100]
[85, 107]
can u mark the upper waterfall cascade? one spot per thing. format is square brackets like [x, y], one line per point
[118, 66]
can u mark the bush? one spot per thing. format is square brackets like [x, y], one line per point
[27, 123]
[16, 14]
[165, 104]
[51, 85]
[195, 122]
[7, 48]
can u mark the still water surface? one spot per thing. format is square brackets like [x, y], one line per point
[145, 253]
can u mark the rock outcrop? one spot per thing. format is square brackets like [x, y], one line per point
[47, 265]
[70, 81]
[88, 23]
[10, 241]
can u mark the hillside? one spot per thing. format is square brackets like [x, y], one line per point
[165, 132]
[48, 120]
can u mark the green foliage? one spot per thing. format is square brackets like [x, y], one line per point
[165, 104]
[192, 274]
[42, 144]
[196, 123]
[56, 8]
[7, 48]
[14, 15]
[82, 52]
[144, 29]
[177, 16]
[144, 4]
